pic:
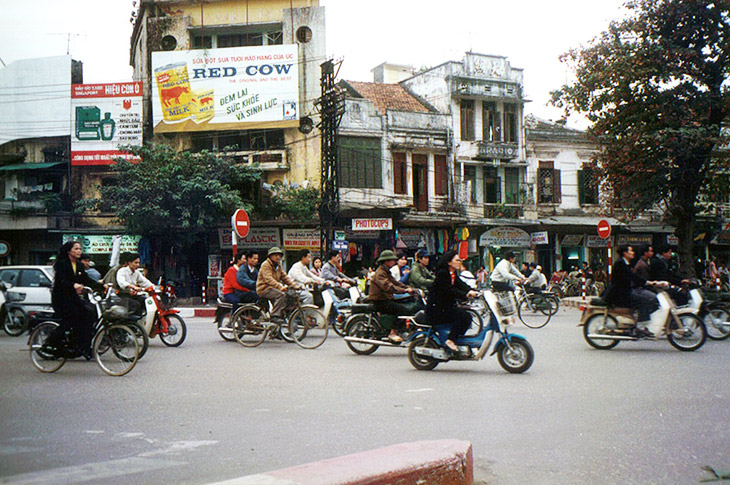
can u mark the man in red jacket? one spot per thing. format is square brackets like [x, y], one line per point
[231, 288]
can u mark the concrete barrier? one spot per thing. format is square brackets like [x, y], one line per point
[441, 462]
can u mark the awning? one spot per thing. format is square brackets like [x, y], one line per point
[29, 166]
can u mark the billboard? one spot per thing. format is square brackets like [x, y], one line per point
[104, 116]
[225, 89]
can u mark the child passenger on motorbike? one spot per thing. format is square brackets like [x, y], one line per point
[446, 291]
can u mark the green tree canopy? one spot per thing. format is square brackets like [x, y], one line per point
[177, 196]
[655, 87]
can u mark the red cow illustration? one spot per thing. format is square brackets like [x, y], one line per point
[172, 93]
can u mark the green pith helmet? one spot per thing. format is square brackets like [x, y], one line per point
[274, 250]
[386, 255]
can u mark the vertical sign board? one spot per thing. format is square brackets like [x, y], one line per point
[104, 117]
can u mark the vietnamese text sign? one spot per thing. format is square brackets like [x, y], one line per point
[102, 244]
[301, 238]
[509, 237]
[223, 89]
[258, 238]
[540, 237]
[384, 224]
[104, 117]
[636, 239]
[597, 241]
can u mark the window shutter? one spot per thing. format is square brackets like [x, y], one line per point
[441, 175]
[581, 187]
[556, 186]
[399, 166]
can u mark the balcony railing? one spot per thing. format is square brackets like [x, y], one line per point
[268, 160]
[500, 211]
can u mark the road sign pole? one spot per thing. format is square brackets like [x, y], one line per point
[234, 243]
[610, 257]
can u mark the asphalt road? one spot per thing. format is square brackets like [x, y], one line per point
[212, 410]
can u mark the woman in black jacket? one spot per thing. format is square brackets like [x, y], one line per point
[447, 289]
[76, 314]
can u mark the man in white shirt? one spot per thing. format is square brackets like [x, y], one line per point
[506, 272]
[300, 273]
[131, 282]
[536, 281]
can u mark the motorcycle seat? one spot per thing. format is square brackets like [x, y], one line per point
[598, 302]
[362, 308]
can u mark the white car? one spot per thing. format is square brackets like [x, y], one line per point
[29, 285]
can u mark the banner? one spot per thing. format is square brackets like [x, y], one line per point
[301, 239]
[104, 117]
[102, 244]
[509, 237]
[258, 238]
[225, 89]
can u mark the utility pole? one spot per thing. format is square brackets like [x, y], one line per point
[331, 107]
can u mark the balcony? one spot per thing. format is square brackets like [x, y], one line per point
[501, 211]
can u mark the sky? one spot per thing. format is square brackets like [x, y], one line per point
[532, 34]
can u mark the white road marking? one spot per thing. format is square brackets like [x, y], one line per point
[424, 389]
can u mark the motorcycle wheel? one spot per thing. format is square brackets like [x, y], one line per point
[16, 321]
[339, 326]
[714, 320]
[595, 325]
[690, 336]
[358, 327]
[143, 340]
[225, 321]
[248, 326]
[421, 362]
[517, 359]
[43, 361]
[176, 331]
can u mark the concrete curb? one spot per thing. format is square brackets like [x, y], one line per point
[194, 312]
[447, 462]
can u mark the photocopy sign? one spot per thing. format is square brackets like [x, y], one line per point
[104, 117]
[223, 89]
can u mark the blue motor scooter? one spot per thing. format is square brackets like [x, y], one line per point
[428, 349]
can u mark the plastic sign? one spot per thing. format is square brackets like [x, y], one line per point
[604, 229]
[241, 223]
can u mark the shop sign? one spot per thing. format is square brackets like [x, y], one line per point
[351, 235]
[102, 244]
[383, 224]
[339, 235]
[214, 266]
[339, 245]
[301, 239]
[413, 238]
[572, 240]
[258, 238]
[510, 237]
[635, 239]
[540, 237]
[672, 240]
[597, 241]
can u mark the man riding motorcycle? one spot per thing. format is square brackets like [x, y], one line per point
[382, 288]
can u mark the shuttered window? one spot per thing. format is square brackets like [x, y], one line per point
[588, 185]
[360, 162]
[399, 173]
[548, 180]
[442, 174]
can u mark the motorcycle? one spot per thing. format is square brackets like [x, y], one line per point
[714, 314]
[338, 311]
[605, 326]
[12, 314]
[160, 320]
[427, 347]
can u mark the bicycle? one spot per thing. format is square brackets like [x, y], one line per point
[535, 309]
[114, 346]
[305, 325]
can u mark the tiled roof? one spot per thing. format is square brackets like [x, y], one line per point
[388, 96]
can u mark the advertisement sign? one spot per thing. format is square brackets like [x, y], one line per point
[383, 224]
[104, 116]
[214, 266]
[509, 237]
[597, 241]
[258, 238]
[225, 89]
[339, 245]
[301, 239]
[672, 240]
[414, 238]
[572, 240]
[540, 237]
[99, 244]
[637, 239]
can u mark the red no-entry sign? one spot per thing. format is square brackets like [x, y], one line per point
[604, 229]
[240, 223]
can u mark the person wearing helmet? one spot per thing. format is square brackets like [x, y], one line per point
[382, 288]
[273, 282]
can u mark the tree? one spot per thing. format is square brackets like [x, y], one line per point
[655, 87]
[176, 196]
[299, 204]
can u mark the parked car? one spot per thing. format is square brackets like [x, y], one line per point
[29, 285]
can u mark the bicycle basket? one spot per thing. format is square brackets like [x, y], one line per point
[506, 302]
[115, 313]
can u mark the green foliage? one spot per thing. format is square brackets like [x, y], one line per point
[654, 85]
[297, 204]
[174, 195]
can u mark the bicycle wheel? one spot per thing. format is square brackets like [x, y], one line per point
[176, 331]
[546, 304]
[43, 361]
[531, 315]
[143, 339]
[308, 327]
[249, 328]
[16, 321]
[116, 349]
[717, 321]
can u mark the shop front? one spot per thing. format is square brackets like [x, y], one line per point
[498, 240]
[295, 240]
[572, 253]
